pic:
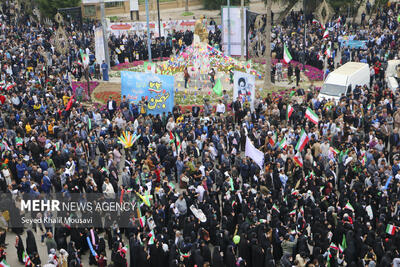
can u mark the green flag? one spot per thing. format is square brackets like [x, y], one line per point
[398, 18]
[344, 243]
[149, 67]
[89, 124]
[85, 58]
[218, 88]
[231, 184]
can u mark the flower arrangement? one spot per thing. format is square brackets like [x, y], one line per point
[138, 68]
[312, 73]
[105, 95]
[127, 65]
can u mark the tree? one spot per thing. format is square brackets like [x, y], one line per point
[267, 77]
[48, 8]
[286, 11]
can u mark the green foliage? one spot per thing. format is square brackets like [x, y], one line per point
[216, 4]
[113, 18]
[49, 8]
[187, 13]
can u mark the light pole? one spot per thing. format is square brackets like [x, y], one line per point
[305, 35]
[148, 30]
[158, 14]
[242, 30]
[229, 28]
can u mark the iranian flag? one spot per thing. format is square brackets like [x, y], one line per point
[275, 207]
[85, 58]
[364, 159]
[332, 245]
[303, 140]
[298, 159]
[4, 146]
[289, 112]
[328, 52]
[171, 137]
[3, 263]
[171, 186]
[178, 143]
[124, 249]
[185, 255]
[26, 259]
[234, 203]
[151, 236]
[334, 150]
[349, 206]
[314, 21]
[10, 86]
[390, 229]
[142, 221]
[273, 139]
[312, 116]
[341, 249]
[295, 192]
[283, 143]
[19, 141]
[309, 176]
[286, 55]
[293, 212]
[326, 34]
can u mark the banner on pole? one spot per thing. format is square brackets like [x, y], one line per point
[236, 29]
[99, 45]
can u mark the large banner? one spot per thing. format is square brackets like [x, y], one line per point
[99, 45]
[157, 90]
[355, 44]
[236, 30]
[140, 28]
[244, 85]
[134, 5]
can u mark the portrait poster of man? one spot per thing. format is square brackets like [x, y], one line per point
[244, 87]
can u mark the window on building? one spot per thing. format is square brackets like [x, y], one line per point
[114, 4]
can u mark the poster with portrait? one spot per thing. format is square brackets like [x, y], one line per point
[244, 87]
[157, 90]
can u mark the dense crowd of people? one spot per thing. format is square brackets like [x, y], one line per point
[135, 46]
[331, 201]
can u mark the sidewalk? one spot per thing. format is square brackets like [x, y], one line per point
[198, 11]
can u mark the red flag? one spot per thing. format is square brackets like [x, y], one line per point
[69, 104]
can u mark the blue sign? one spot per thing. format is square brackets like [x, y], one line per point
[361, 44]
[157, 90]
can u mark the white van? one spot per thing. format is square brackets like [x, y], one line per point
[344, 79]
[392, 74]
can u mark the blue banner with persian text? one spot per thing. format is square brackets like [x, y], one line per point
[355, 44]
[157, 90]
